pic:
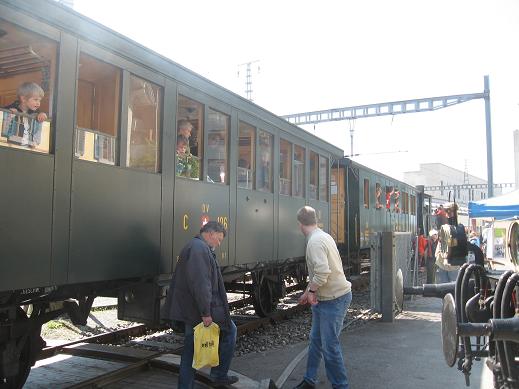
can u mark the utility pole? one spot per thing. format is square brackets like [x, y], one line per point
[248, 77]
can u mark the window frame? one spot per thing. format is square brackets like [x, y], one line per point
[205, 171]
[253, 157]
[46, 32]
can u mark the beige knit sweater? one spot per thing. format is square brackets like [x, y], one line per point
[325, 266]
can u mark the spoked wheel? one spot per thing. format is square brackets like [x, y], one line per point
[30, 345]
[264, 301]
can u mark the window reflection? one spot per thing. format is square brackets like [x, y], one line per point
[299, 171]
[265, 161]
[217, 140]
[97, 110]
[144, 117]
[285, 167]
[323, 178]
[366, 193]
[314, 163]
[246, 142]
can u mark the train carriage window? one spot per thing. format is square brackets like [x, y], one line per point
[190, 115]
[285, 167]
[97, 111]
[27, 80]
[389, 193]
[405, 202]
[413, 205]
[378, 196]
[323, 178]
[265, 142]
[396, 196]
[144, 123]
[366, 193]
[299, 171]
[314, 163]
[246, 142]
[216, 151]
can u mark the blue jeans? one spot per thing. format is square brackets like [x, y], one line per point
[327, 320]
[227, 341]
[446, 276]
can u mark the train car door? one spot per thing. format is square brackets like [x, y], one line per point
[202, 170]
[255, 194]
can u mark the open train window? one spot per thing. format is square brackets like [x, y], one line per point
[323, 178]
[314, 164]
[246, 155]
[285, 167]
[265, 143]
[389, 193]
[396, 196]
[144, 123]
[190, 115]
[27, 68]
[378, 195]
[299, 171]
[97, 111]
[217, 150]
[366, 193]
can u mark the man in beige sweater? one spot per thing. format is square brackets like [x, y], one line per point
[329, 294]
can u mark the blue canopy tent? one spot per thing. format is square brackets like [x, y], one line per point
[500, 207]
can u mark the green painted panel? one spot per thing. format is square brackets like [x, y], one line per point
[255, 226]
[25, 219]
[291, 240]
[115, 223]
[196, 202]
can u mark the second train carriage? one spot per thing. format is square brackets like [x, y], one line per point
[92, 202]
[364, 202]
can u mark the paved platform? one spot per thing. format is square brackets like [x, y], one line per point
[404, 354]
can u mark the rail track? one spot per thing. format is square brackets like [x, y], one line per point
[143, 356]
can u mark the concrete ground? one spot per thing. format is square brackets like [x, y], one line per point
[404, 354]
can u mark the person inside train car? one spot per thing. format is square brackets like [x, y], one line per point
[198, 295]
[184, 129]
[329, 294]
[28, 102]
[430, 260]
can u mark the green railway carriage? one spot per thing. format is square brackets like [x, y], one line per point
[97, 200]
[366, 202]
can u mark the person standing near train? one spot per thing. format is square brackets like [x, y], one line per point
[197, 294]
[329, 294]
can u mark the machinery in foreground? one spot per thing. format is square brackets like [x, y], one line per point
[480, 321]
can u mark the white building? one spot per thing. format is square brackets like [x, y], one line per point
[440, 175]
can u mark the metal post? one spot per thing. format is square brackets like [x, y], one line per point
[387, 279]
[489, 139]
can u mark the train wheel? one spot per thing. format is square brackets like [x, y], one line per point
[32, 345]
[264, 301]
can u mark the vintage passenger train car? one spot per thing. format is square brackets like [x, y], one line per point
[138, 152]
[99, 199]
[369, 201]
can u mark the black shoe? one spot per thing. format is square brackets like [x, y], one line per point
[304, 385]
[229, 380]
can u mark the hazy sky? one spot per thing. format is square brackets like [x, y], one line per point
[332, 54]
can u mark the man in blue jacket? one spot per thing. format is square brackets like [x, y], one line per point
[198, 295]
